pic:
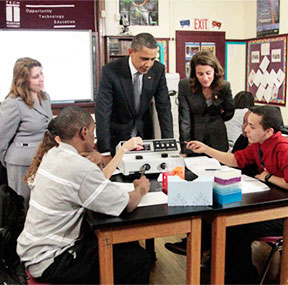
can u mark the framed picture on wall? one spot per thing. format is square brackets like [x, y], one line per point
[139, 12]
[266, 70]
[210, 47]
[268, 17]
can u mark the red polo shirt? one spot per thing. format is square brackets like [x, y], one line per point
[275, 155]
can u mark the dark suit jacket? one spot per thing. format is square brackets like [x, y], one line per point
[199, 122]
[115, 109]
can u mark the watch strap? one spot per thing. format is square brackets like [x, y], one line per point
[267, 177]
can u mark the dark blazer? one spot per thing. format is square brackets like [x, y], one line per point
[115, 109]
[199, 122]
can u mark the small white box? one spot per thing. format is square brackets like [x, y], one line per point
[227, 173]
[198, 192]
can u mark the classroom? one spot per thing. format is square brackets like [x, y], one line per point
[143, 142]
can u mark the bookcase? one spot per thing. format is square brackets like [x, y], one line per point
[117, 47]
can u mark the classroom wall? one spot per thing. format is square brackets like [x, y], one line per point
[229, 12]
[284, 30]
[238, 18]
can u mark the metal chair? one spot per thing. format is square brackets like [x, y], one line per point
[276, 245]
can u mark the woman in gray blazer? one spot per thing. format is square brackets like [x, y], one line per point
[24, 117]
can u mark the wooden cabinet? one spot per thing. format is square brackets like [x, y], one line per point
[117, 47]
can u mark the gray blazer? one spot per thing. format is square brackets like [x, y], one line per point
[22, 129]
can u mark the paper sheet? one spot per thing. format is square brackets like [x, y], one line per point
[264, 64]
[265, 49]
[199, 164]
[252, 185]
[260, 92]
[150, 199]
[153, 198]
[202, 165]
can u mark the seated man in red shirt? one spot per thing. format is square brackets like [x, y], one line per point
[269, 150]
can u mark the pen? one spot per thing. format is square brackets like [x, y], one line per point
[143, 168]
[181, 142]
[211, 169]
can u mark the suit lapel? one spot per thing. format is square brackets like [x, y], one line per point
[40, 108]
[126, 82]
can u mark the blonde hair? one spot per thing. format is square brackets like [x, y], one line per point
[21, 78]
[47, 143]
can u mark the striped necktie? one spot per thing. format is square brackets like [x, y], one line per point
[137, 90]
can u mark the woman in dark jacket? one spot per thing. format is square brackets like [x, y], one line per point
[205, 102]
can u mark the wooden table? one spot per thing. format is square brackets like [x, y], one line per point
[146, 223]
[159, 221]
[256, 207]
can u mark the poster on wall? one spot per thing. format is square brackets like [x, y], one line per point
[162, 54]
[36, 14]
[266, 70]
[267, 17]
[190, 49]
[210, 47]
[139, 12]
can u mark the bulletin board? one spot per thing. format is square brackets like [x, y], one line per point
[266, 70]
[163, 52]
[190, 42]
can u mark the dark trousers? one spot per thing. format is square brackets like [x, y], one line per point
[3, 175]
[239, 267]
[80, 264]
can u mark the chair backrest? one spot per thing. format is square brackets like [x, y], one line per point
[271, 239]
[278, 108]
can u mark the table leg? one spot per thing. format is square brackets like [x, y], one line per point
[284, 258]
[105, 257]
[194, 252]
[150, 247]
[218, 250]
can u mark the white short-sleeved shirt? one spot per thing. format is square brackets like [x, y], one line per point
[65, 184]
[234, 126]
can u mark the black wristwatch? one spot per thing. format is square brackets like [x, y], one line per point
[267, 177]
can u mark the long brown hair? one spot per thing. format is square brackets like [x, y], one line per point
[47, 143]
[20, 81]
[206, 58]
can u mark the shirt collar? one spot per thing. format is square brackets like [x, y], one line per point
[133, 70]
[269, 140]
[67, 147]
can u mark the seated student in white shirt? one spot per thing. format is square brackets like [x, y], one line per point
[52, 245]
[243, 101]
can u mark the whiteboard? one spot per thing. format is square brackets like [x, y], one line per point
[66, 58]
[235, 69]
